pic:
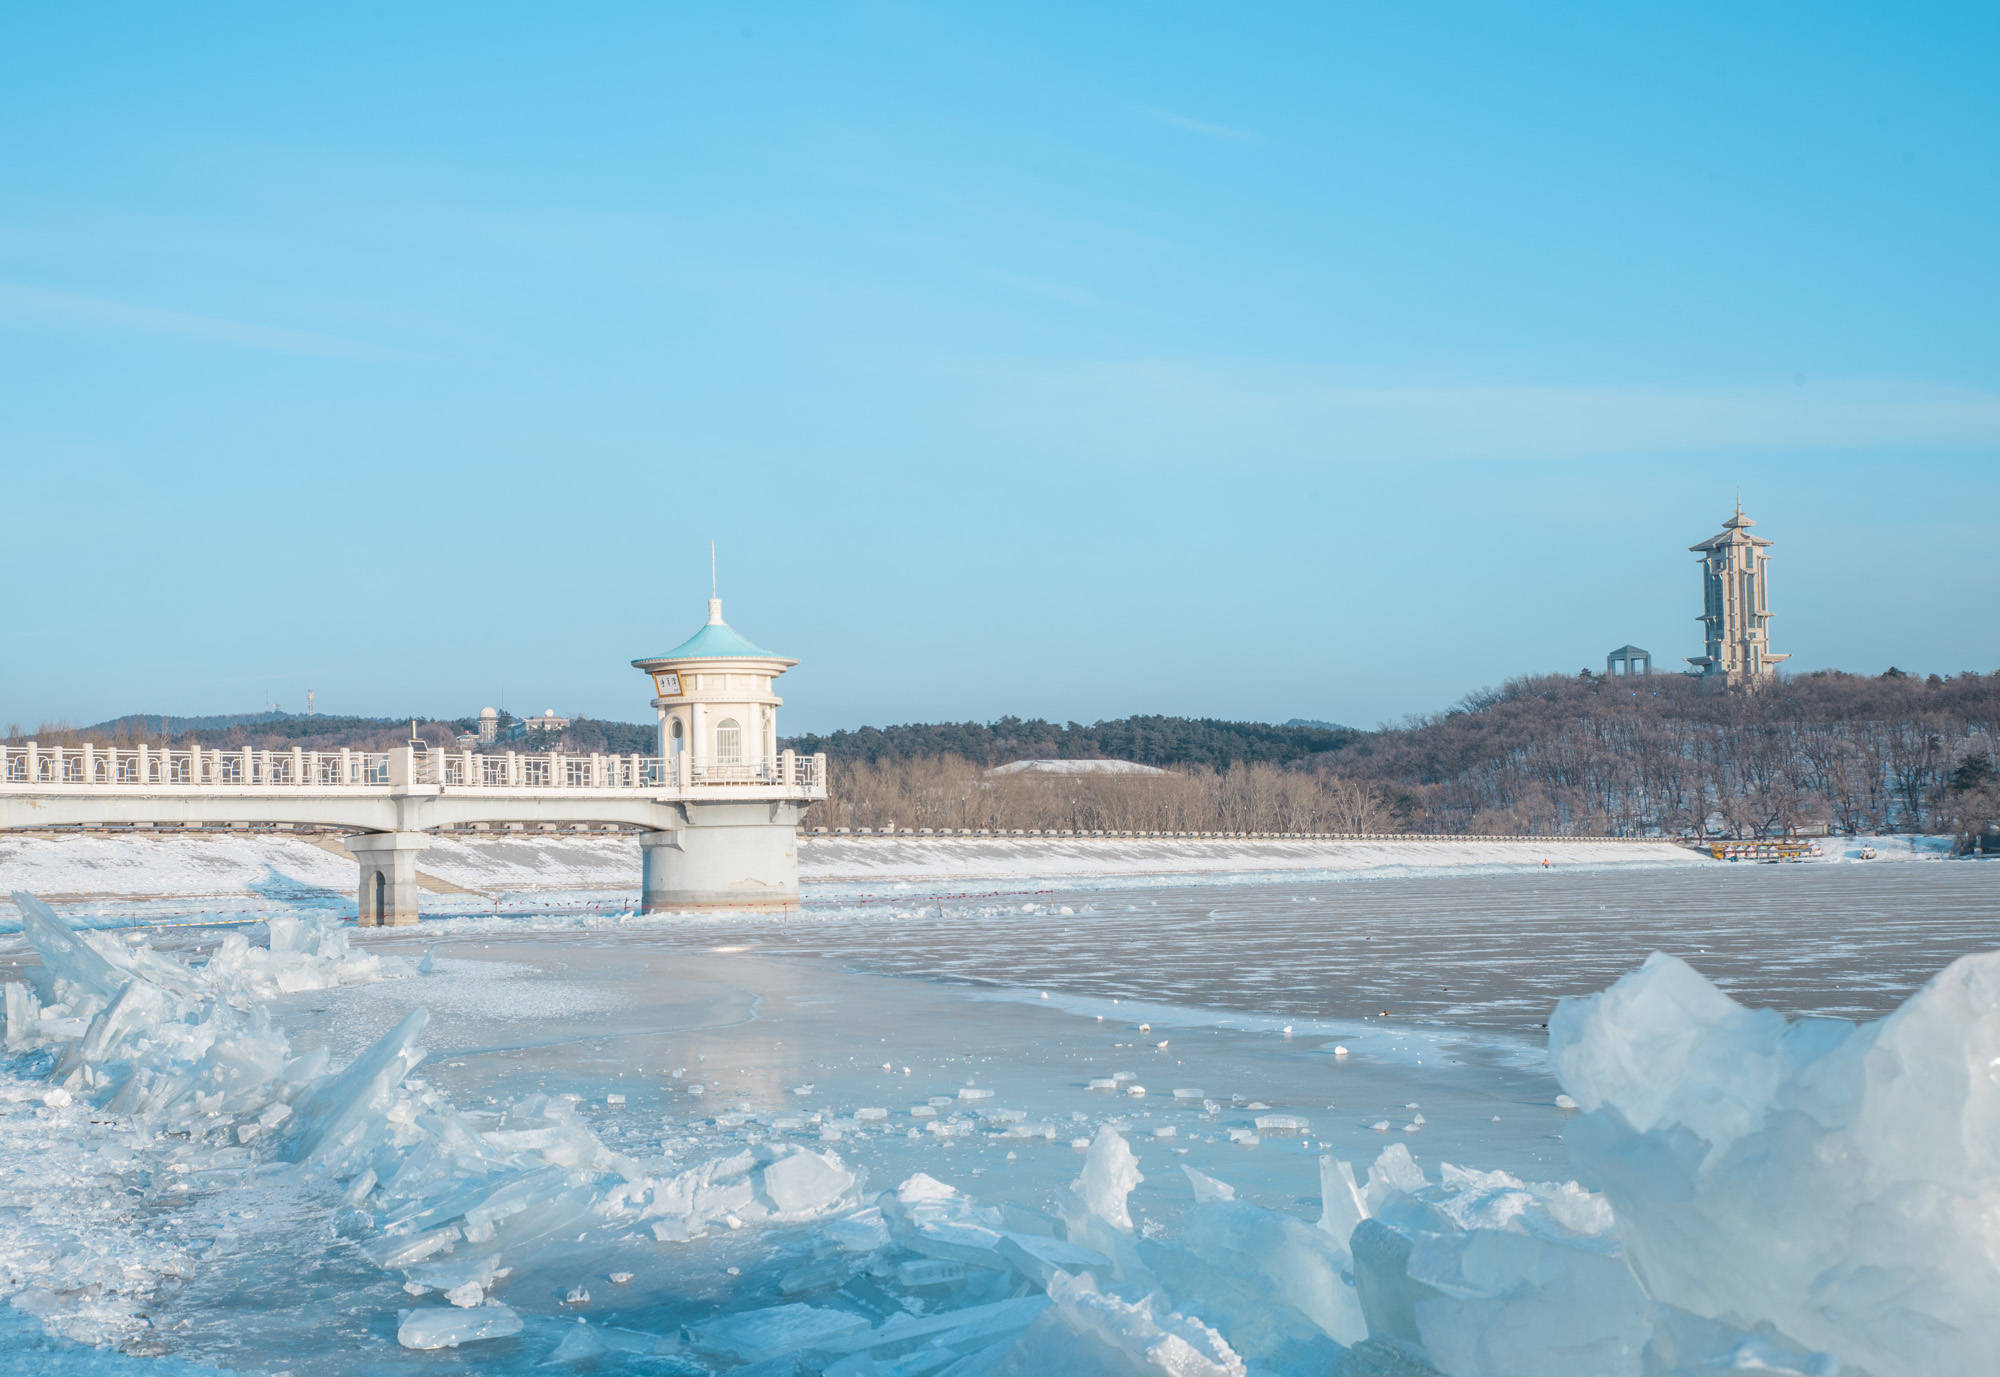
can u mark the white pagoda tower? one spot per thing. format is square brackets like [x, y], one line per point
[736, 797]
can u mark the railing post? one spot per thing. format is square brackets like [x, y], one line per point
[89, 763]
[513, 769]
[31, 757]
[248, 768]
[145, 760]
[346, 765]
[788, 768]
[298, 765]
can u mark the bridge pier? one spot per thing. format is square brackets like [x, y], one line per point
[388, 894]
[724, 855]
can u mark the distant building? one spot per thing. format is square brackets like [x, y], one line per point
[547, 722]
[1736, 608]
[489, 724]
[1628, 661]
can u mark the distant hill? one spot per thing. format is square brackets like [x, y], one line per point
[1161, 741]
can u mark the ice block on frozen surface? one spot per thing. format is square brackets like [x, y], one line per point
[1831, 1181]
[1110, 1174]
[805, 1183]
[1086, 1333]
[449, 1326]
[332, 1122]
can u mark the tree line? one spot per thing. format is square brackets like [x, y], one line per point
[1542, 754]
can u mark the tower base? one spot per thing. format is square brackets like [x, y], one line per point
[724, 856]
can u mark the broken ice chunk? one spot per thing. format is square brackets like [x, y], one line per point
[1207, 1188]
[1087, 1334]
[930, 1271]
[450, 1327]
[974, 1092]
[1282, 1123]
[803, 1183]
[1341, 1205]
[1110, 1173]
[581, 1346]
[1185, 1094]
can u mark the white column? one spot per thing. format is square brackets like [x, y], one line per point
[298, 765]
[89, 763]
[697, 746]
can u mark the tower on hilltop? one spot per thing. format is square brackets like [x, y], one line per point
[1736, 605]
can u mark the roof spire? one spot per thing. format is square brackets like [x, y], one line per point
[714, 598]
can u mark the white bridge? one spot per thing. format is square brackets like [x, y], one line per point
[735, 812]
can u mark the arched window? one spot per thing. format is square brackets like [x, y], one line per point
[728, 742]
[674, 742]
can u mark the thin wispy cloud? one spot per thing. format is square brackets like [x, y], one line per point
[1173, 413]
[43, 307]
[1064, 292]
[1173, 119]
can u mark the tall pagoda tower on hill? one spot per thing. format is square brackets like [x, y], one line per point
[1736, 605]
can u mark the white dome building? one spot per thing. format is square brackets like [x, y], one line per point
[717, 704]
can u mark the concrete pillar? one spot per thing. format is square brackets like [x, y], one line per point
[724, 856]
[388, 894]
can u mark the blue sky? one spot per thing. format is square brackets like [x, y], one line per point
[1250, 361]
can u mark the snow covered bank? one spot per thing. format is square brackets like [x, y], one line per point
[831, 858]
[285, 867]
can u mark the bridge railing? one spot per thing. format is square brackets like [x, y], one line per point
[33, 766]
[520, 770]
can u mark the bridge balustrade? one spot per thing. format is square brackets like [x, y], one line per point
[30, 765]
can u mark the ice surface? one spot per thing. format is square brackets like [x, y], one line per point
[1712, 1132]
[752, 1335]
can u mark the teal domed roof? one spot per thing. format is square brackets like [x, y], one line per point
[715, 641]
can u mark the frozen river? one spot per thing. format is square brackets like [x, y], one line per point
[983, 1040]
[1492, 951]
